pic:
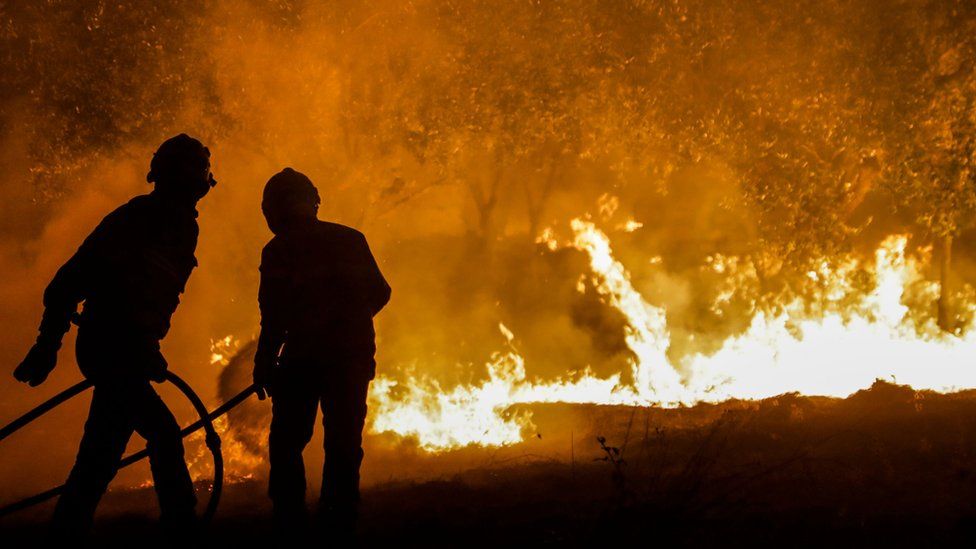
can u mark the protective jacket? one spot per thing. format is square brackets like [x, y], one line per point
[129, 273]
[320, 288]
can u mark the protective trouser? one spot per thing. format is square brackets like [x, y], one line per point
[122, 405]
[297, 396]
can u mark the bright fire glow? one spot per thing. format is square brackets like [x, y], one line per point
[832, 354]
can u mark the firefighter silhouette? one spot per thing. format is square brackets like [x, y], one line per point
[320, 288]
[129, 273]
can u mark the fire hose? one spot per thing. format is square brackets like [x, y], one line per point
[205, 422]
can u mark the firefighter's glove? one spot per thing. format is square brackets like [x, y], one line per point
[156, 366]
[263, 373]
[40, 360]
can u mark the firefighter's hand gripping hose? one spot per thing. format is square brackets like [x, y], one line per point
[205, 422]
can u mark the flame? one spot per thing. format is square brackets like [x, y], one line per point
[857, 336]
[239, 462]
[222, 349]
[842, 350]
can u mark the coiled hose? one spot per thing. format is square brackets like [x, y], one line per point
[205, 422]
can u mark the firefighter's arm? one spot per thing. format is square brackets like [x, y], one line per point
[272, 299]
[67, 289]
[377, 289]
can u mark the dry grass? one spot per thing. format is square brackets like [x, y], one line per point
[887, 465]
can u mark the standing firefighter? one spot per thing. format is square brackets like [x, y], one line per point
[320, 288]
[129, 272]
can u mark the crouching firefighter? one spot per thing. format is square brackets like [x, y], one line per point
[129, 273]
[320, 288]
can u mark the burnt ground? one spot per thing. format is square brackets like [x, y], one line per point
[885, 466]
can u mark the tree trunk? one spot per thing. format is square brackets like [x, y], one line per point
[946, 319]
[536, 205]
[487, 201]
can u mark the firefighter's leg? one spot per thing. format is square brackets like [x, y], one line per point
[344, 413]
[107, 431]
[293, 409]
[171, 479]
